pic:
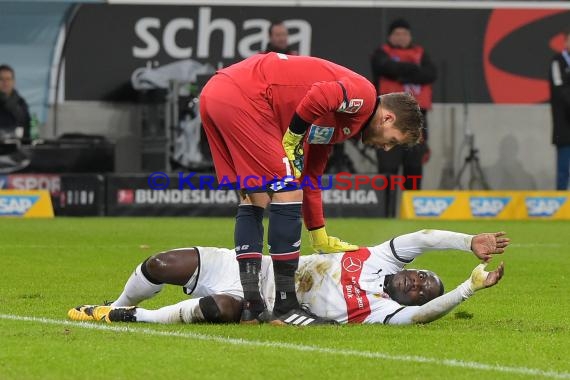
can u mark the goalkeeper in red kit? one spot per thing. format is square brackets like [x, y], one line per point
[272, 118]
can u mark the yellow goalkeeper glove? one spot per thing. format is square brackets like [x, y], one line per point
[293, 145]
[323, 243]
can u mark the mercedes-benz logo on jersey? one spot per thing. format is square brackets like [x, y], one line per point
[351, 264]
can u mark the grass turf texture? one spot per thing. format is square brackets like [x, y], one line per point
[49, 266]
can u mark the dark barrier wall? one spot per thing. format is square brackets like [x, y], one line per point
[483, 55]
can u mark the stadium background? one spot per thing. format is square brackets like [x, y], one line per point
[493, 63]
[492, 59]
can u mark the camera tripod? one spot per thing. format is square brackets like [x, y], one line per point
[476, 175]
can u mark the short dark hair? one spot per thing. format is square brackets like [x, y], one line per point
[409, 118]
[399, 23]
[273, 24]
[5, 67]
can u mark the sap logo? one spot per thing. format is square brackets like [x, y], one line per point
[488, 206]
[431, 206]
[199, 32]
[16, 205]
[320, 135]
[543, 206]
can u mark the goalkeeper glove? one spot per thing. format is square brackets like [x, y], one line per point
[322, 243]
[293, 145]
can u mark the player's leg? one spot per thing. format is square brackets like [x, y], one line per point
[217, 308]
[174, 267]
[562, 166]
[284, 239]
[248, 239]
[252, 139]
[284, 246]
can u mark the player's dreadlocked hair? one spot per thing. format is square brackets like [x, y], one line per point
[409, 118]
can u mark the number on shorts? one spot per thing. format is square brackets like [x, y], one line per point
[287, 166]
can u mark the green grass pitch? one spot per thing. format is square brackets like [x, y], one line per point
[518, 329]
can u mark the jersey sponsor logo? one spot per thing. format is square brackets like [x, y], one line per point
[357, 303]
[16, 205]
[431, 206]
[352, 264]
[543, 206]
[320, 135]
[487, 206]
[353, 106]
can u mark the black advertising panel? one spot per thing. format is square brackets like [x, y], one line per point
[360, 195]
[71, 194]
[131, 195]
[482, 55]
[81, 195]
[199, 195]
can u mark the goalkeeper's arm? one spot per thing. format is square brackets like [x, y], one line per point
[442, 305]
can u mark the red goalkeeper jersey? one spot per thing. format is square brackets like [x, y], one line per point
[335, 100]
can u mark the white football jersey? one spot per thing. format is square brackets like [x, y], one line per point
[347, 287]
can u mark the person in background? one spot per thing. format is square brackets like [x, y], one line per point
[279, 39]
[400, 65]
[15, 120]
[559, 79]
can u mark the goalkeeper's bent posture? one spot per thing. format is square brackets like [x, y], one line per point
[274, 117]
[369, 285]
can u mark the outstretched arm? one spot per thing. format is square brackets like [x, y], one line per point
[407, 247]
[437, 308]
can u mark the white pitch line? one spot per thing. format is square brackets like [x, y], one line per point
[300, 347]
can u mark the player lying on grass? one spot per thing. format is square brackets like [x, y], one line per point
[369, 285]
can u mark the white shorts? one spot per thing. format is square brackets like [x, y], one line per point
[218, 273]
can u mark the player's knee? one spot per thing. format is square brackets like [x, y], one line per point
[220, 308]
[154, 266]
[160, 266]
[285, 227]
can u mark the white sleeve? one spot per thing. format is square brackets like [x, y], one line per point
[407, 247]
[556, 74]
[432, 310]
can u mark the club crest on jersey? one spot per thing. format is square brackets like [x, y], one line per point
[353, 106]
[320, 135]
[351, 264]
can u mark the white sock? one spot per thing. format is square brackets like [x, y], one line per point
[138, 288]
[187, 311]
